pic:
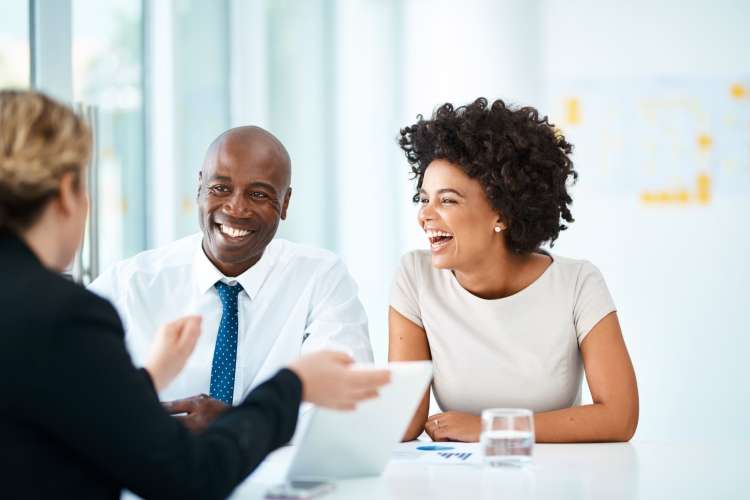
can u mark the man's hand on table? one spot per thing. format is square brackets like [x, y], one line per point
[201, 411]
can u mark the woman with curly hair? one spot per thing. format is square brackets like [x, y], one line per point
[505, 323]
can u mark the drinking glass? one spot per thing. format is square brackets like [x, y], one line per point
[507, 436]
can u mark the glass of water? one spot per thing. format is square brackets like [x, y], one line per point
[507, 436]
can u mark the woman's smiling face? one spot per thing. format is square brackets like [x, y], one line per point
[456, 217]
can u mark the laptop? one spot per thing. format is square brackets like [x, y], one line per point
[344, 444]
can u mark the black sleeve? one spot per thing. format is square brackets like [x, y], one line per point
[87, 394]
[147, 376]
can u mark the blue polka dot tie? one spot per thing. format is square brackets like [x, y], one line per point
[225, 353]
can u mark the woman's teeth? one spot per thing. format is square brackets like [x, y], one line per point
[437, 237]
[232, 231]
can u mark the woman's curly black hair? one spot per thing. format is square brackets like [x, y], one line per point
[520, 160]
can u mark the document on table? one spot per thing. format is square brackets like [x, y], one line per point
[429, 452]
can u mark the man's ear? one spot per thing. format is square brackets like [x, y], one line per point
[285, 204]
[200, 184]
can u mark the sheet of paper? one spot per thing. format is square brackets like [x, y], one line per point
[429, 452]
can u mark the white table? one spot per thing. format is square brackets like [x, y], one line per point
[575, 471]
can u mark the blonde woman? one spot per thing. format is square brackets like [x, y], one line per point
[505, 323]
[77, 419]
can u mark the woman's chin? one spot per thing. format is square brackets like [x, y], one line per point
[442, 261]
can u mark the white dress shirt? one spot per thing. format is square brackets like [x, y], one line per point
[296, 299]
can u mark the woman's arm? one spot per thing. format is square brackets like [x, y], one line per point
[408, 342]
[92, 400]
[613, 416]
[88, 396]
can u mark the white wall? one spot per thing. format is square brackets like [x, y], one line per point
[368, 164]
[678, 274]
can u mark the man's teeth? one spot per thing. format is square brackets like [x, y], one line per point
[232, 231]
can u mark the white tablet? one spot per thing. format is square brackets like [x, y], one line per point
[341, 444]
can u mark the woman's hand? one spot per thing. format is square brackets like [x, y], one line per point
[328, 380]
[454, 426]
[173, 345]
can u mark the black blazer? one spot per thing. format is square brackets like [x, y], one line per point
[78, 420]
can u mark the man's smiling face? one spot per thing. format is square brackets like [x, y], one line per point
[243, 193]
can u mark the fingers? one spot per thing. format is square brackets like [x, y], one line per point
[349, 401]
[186, 319]
[361, 395]
[191, 330]
[436, 427]
[184, 331]
[362, 385]
[345, 406]
[173, 328]
[428, 429]
[359, 386]
[370, 379]
[340, 357]
[178, 406]
[438, 434]
[185, 405]
[188, 325]
[366, 394]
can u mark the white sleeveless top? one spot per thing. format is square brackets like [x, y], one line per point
[520, 351]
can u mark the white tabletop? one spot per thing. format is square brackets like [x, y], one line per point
[580, 471]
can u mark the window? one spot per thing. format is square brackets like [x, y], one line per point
[107, 73]
[201, 96]
[14, 44]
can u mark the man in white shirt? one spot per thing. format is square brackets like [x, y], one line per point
[291, 299]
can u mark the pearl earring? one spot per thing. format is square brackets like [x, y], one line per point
[498, 229]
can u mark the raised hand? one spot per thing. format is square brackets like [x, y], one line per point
[328, 380]
[173, 345]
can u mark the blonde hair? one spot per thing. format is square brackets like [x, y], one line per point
[40, 141]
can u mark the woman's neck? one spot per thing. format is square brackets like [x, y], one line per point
[44, 240]
[502, 273]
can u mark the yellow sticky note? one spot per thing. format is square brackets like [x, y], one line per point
[738, 91]
[704, 142]
[703, 194]
[572, 111]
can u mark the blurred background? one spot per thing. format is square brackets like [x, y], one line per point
[655, 96]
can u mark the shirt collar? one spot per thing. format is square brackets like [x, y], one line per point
[205, 274]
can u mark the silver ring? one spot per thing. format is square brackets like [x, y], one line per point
[437, 424]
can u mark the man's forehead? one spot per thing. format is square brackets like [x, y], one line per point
[247, 172]
[248, 151]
